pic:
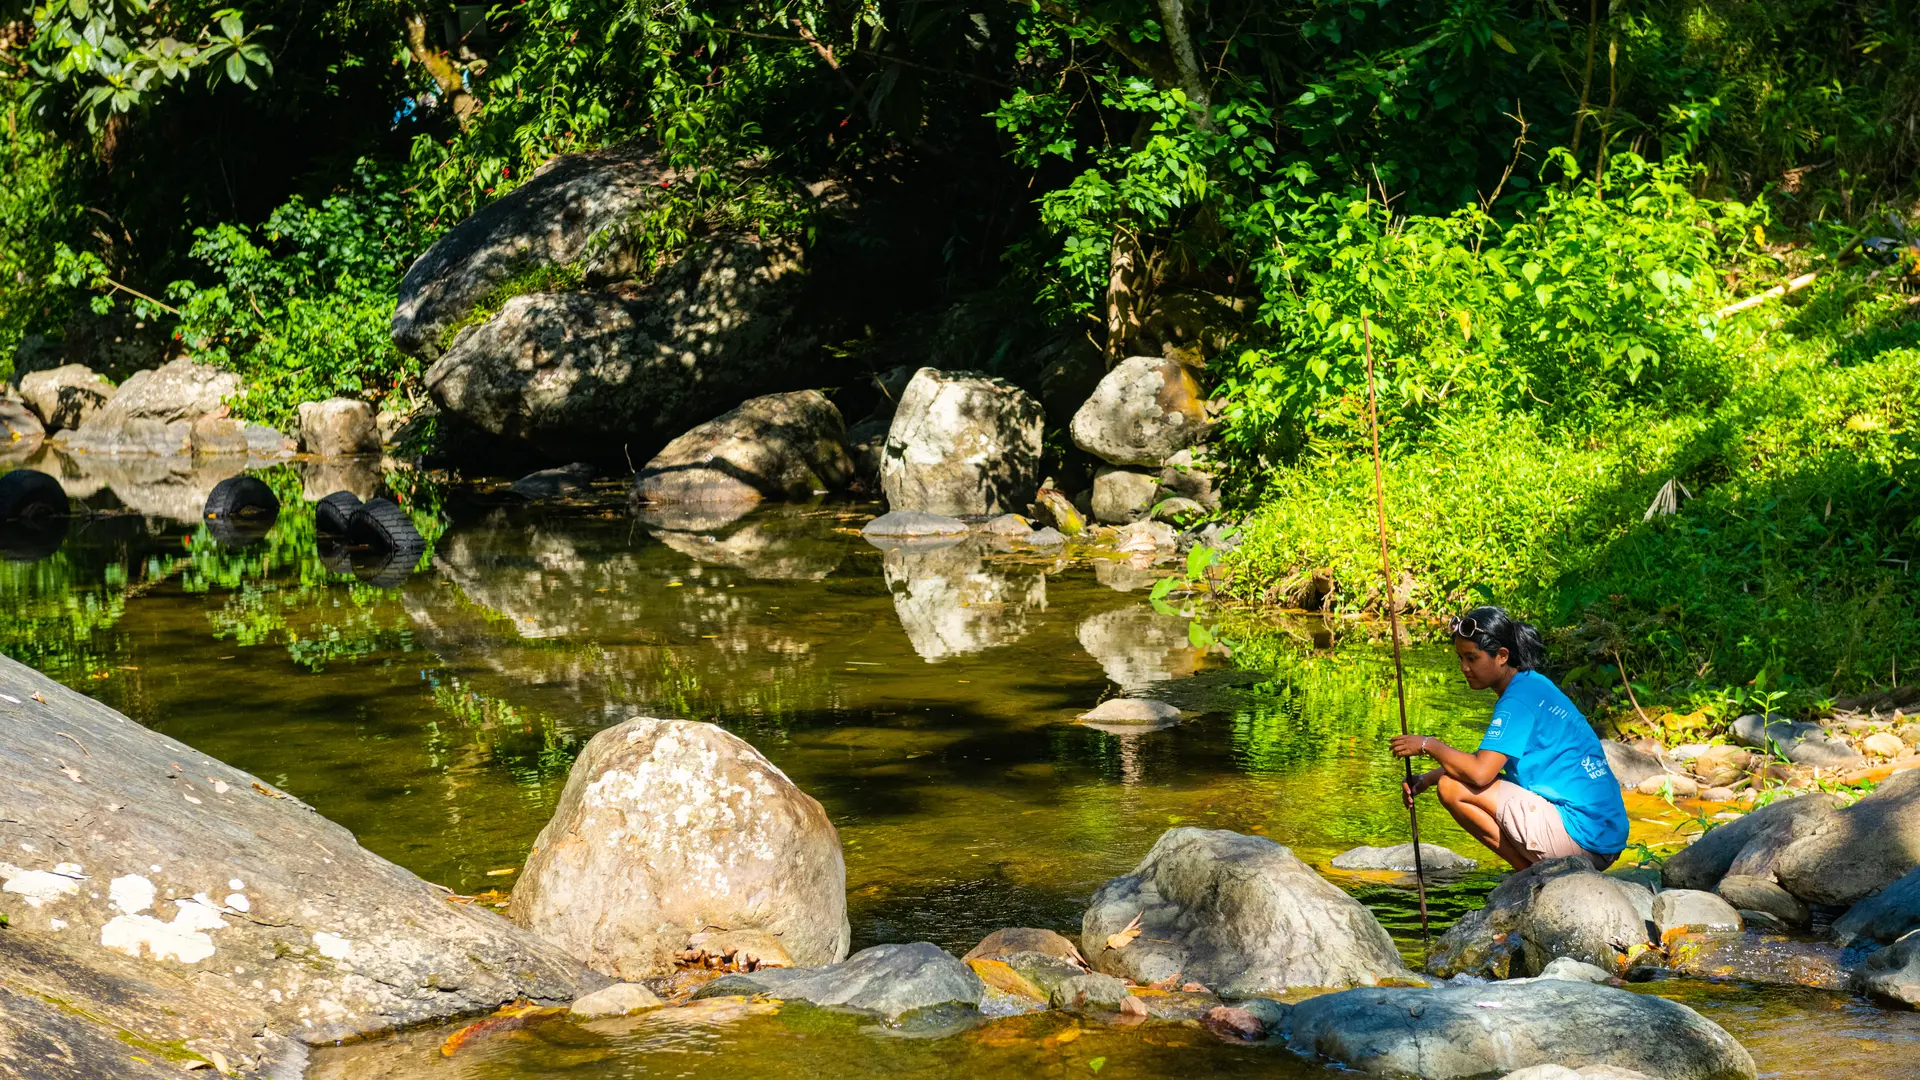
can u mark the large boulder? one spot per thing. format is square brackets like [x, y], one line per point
[1885, 916]
[891, 980]
[1143, 412]
[1893, 973]
[1238, 914]
[781, 446]
[669, 828]
[599, 374]
[1457, 1032]
[153, 411]
[1554, 908]
[1859, 849]
[64, 397]
[549, 221]
[962, 444]
[1751, 840]
[178, 902]
[338, 427]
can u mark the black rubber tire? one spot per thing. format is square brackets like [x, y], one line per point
[235, 531]
[388, 569]
[380, 525]
[333, 515]
[242, 496]
[334, 555]
[30, 493]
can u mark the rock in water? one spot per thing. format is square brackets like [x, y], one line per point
[1141, 413]
[962, 443]
[620, 999]
[1760, 894]
[669, 827]
[545, 222]
[1703, 863]
[596, 374]
[1019, 939]
[1240, 915]
[1554, 908]
[556, 483]
[1456, 1032]
[1860, 849]
[153, 411]
[1131, 715]
[338, 427]
[780, 446]
[64, 397]
[1689, 911]
[913, 524]
[1885, 916]
[142, 874]
[1120, 497]
[1892, 973]
[891, 980]
[1399, 857]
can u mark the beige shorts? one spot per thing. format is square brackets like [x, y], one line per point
[1528, 821]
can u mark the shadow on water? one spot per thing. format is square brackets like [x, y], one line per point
[926, 699]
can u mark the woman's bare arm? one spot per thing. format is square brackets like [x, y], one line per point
[1477, 769]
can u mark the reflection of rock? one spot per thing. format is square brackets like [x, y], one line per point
[951, 602]
[321, 478]
[768, 545]
[1123, 576]
[1138, 646]
[163, 487]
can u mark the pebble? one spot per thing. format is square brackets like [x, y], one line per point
[1883, 744]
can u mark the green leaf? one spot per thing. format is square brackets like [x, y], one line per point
[1161, 588]
[1199, 557]
[1504, 44]
[1097, 1064]
[236, 67]
[1199, 636]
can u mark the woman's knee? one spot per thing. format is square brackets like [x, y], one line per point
[1451, 790]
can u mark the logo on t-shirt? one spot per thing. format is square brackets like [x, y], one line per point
[1595, 769]
[1493, 729]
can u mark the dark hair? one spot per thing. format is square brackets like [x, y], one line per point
[1493, 629]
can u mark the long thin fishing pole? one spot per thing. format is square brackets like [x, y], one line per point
[1393, 619]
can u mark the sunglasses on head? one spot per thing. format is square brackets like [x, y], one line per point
[1465, 626]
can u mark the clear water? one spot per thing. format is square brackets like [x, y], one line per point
[925, 699]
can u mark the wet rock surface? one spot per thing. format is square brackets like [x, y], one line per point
[962, 443]
[1476, 1031]
[192, 904]
[1554, 908]
[669, 827]
[1892, 974]
[1683, 911]
[1238, 914]
[1131, 715]
[778, 446]
[891, 980]
[1757, 958]
[1399, 857]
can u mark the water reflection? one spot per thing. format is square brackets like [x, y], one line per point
[952, 602]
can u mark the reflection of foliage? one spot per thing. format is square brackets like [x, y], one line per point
[53, 623]
[529, 745]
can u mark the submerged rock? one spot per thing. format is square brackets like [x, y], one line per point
[1885, 916]
[1141, 413]
[962, 443]
[187, 903]
[1554, 908]
[620, 999]
[1768, 960]
[779, 446]
[1238, 914]
[1859, 849]
[669, 827]
[1893, 973]
[891, 980]
[1457, 1032]
[1399, 857]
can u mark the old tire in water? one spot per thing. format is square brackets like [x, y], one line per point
[334, 555]
[385, 569]
[242, 496]
[333, 515]
[381, 525]
[30, 493]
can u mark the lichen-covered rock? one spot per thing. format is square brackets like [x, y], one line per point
[780, 446]
[891, 980]
[186, 902]
[153, 411]
[1752, 840]
[1238, 914]
[1554, 908]
[668, 828]
[1089, 991]
[1143, 411]
[338, 427]
[601, 374]
[1885, 916]
[962, 444]
[64, 397]
[546, 222]
[1457, 1032]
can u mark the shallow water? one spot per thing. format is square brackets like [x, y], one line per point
[923, 697]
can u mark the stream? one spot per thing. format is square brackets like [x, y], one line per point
[925, 698]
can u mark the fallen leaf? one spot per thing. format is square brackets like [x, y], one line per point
[1167, 983]
[1097, 1064]
[1125, 937]
[220, 1062]
[267, 791]
[502, 870]
[509, 1017]
[1132, 1006]
[41, 700]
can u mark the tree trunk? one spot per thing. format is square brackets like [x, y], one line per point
[445, 73]
[1173, 25]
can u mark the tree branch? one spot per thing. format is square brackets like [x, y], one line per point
[445, 73]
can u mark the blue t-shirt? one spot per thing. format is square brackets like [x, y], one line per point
[1552, 752]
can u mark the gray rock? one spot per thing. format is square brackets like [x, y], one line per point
[598, 374]
[1572, 970]
[912, 524]
[779, 446]
[139, 874]
[1554, 908]
[620, 999]
[1561, 1072]
[1011, 526]
[1187, 475]
[1457, 1032]
[1639, 894]
[1632, 765]
[1131, 715]
[64, 397]
[1091, 991]
[1893, 973]
[1142, 412]
[19, 426]
[338, 427]
[1240, 915]
[962, 443]
[1803, 744]
[1433, 858]
[1644, 875]
[1885, 916]
[1690, 911]
[668, 828]
[1703, 863]
[1860, 849]
[1759, 894]
[1120, 496]
[213, 435]
[891, 980]
[546, 222]
[1047, 537]
[555, 483]
[153, 411]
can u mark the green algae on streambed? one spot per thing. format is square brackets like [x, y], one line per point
[924, 698]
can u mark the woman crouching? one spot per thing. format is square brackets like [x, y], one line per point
[1539, 786]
